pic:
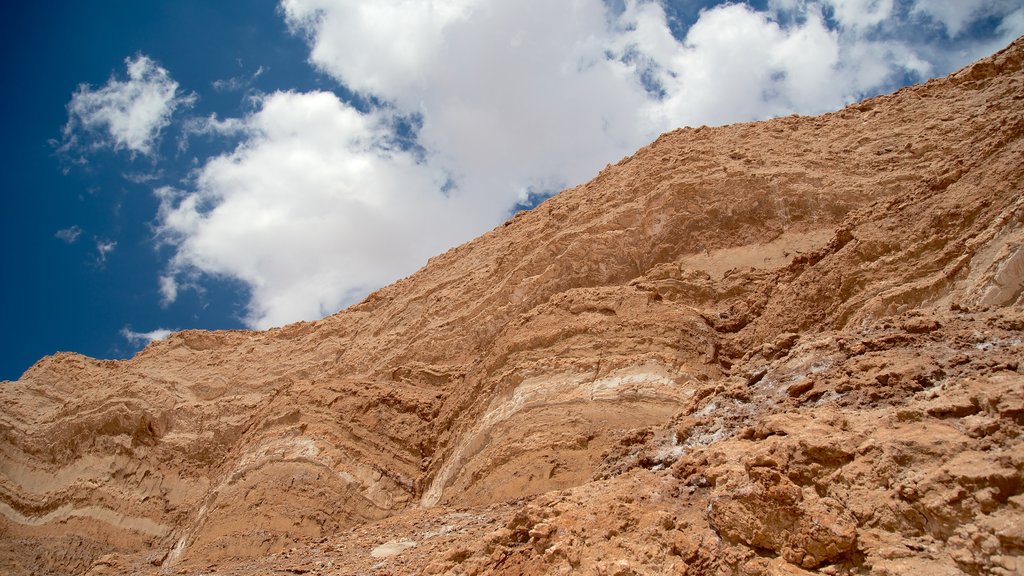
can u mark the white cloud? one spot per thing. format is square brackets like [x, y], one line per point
[103, 249]
[168, 289]
[70, 234]
[125, 114]
[320, 202]
[1010, 27]
[860, 14]
[315, 208]
[954, 16]
[515, 96]
[143, 177]
[143, 338]
[213, 126]
[237, 83]
[739, 64]
[416, 31]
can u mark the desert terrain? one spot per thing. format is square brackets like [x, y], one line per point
[782, 347]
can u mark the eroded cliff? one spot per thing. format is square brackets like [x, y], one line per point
[765, 348]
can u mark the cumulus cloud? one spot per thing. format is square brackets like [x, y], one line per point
[318, 206]
[126, 114]
[927, 37]
[739, 64]
[514, 96]
[143, 338]
[478, 105]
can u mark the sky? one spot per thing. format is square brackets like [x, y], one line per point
[250, 163]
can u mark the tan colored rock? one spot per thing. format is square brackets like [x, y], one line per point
[764, 510]
[765, 348]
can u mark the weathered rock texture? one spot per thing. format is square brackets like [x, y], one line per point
[767, 348]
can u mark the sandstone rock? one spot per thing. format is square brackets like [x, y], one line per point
[765, 348]
[764, 510]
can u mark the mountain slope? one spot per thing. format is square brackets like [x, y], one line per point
[762, 348]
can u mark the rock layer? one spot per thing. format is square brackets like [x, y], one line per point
[765, 348]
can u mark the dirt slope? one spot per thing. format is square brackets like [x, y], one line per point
[770, 348]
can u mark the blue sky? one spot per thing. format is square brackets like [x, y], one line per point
[248, 163]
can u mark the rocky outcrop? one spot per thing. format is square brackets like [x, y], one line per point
[765, 348]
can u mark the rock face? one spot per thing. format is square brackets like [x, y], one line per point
[765, 348]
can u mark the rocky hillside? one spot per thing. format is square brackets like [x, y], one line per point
[782, 347]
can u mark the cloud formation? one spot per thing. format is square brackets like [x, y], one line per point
[124, 114]
[103, 249]
[144, 338]
[70, 234]
[318, 206]
[954, 17]
[237, 83]
[478, 105]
